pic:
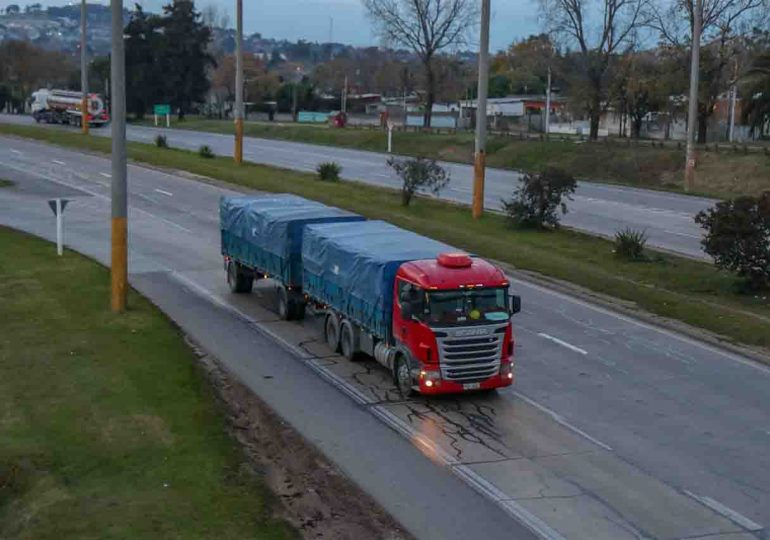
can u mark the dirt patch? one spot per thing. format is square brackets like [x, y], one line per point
[315, 497]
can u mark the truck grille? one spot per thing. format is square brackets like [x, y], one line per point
[470, 354]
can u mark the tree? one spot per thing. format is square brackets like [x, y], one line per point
[536, 201]
[756, 86]
[738, 237]
[525, 65]
[426, 27]
[723, 25]
[599, 29]
[25, 68]
[635, 89]
[13, 9]
[419, 174]
[186, 59]
[144, 76]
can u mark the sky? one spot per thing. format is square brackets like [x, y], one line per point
[311, 19]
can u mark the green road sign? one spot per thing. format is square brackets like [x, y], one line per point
[162, 110]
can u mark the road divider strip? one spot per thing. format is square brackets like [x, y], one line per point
[562, 343]
[729, 513]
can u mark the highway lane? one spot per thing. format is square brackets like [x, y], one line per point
[614, 429]
[597, 208]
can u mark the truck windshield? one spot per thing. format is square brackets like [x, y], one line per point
[465, 307]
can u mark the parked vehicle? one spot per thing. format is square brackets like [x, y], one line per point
[64, 107]
[438, 319]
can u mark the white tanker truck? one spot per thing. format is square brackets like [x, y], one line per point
[64, 107]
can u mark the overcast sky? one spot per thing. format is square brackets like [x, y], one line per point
[311, 19]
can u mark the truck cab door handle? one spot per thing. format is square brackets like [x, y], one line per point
[403, 330]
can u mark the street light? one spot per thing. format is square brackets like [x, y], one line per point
[239, 82]
[119, 267]
[479, 167]
[692, 106]
[83, 67]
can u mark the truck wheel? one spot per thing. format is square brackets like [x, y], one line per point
[239, 281]
[285, 306]
[332, 332]
[404, 378]
[346, 343]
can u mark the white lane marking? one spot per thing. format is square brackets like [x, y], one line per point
[562, 343]
[532, 522]
[636, 322]
[58, 162]
[15, 151]
[106, 175]
[729, 513]
[560, 419]
[681, 234]
[167, 193]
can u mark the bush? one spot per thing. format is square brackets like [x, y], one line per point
[419, 174]
[160, 141]
[205, 151]
[738, 237]
[629, 244]
[535, 202]
[329, 171]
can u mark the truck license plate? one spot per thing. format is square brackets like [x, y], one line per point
[472, 386]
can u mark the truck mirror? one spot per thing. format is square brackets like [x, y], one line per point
[407, 311]
[515, 304]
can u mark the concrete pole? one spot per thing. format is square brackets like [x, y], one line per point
[59, 228]
[239, 83]
[479, 168]
[84, 66]
[692, 109]
[119, 269]
[733, 98]
[548, 104]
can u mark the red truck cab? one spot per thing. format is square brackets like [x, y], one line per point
[451, 319]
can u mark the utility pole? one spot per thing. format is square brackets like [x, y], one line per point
[548, 104]
[119, 269]
[344, 104]
[479, 168]
[239, 82]
[692, 109]
[733, 98]
[84, 66]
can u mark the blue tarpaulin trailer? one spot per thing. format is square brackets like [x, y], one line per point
[352, 267]
[265, 233]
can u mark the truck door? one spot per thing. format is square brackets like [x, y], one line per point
[408, 330]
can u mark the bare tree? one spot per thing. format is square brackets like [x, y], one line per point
[426, 27]
[725, 23]
[597, 41]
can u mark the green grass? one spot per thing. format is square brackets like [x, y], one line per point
[690, 291]
[107, 426]
[726, 173]
[5, 183]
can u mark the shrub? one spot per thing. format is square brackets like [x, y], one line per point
[329, 171]
[205, 151]
[738, 237]
[536, 201]
[629, 244]
[419, 174]
[160, 141]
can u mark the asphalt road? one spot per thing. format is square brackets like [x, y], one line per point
[614, 429]
[597, 208]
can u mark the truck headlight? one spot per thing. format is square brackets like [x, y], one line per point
[506, 371]
[430, 378]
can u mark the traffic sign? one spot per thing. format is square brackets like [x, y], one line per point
[54, 206]
[161, 110]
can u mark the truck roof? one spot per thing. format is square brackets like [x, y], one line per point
[431, 274]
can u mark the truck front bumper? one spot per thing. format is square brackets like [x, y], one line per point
[443, 386]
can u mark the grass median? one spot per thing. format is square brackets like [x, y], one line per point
[723, 170]
[107, 427]
[670, 286]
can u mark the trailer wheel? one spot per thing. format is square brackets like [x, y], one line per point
[285, 306]
[347, 345]
[239, 281]
[332, 332]
[403, 377]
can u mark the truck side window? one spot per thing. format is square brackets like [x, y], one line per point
[413, 294]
